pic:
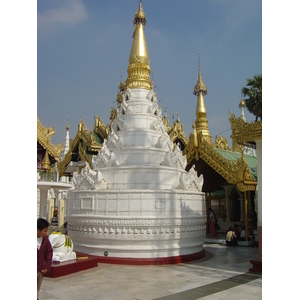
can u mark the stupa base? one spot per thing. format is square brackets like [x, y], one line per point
[149, 261]
[81, 263]
[256, 265]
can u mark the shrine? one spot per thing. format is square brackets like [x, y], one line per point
[137, 190]
[137, 204]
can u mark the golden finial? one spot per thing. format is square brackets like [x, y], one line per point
[242, 103]
[200, 85]
[139, 63]
[67, 127]
[140, 16]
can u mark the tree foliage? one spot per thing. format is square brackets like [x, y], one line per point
[253, 94]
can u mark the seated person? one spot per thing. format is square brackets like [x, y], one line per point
[230, 237]
[236, 230]
[243, 234]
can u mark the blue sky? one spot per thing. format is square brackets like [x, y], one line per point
[83, 49]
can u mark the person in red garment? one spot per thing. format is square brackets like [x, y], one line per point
[212, 220]
[44, 251]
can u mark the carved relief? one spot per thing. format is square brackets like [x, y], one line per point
[191, 182]
[119, 124]
[114, 141]
[165, 143]
[88, 179]
[221, 143]
[243, 131]
[138, 227]
[44, 135]
[177, 159]
[158, 126]
[122, 109]
[104, 158]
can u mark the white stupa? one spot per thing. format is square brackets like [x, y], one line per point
[138, 204]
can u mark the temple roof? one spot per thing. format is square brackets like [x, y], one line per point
[44, 135]
[85, 144]
[234, 156]
[244, 132]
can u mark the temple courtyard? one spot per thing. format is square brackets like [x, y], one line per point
[222, 274]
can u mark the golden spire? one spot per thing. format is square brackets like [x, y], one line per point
[67, 127]
[242, 103]
[201, 122]
[139, 68]
[46, 161]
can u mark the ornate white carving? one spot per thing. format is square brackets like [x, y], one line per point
[165, 142]
[177, 159]
[114, 141]
[104, 158]
[155, 110]
[158, 126]
[167, 160]
[191, 182]
[88, 179]
[122, 108]
[119, 124]
[127, 94]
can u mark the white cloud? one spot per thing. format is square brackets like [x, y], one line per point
[69, 13]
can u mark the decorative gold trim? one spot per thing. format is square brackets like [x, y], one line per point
[221, 143]
[89, 140]
[100, 129]
[113, 115]
[84, 157]
[177, 132]
[235, 172]
[62, 165]
[244, 132]
[44, 135]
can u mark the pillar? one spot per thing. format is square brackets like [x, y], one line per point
[246, 215]
[43, 202]
[50, 209]
[61, 215]
[259, 200]
[227, 210]
[242, 209]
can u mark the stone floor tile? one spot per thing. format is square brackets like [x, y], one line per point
[224, 274]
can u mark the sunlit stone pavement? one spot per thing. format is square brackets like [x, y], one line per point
[222, 274]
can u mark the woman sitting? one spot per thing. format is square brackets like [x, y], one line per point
[230, 237]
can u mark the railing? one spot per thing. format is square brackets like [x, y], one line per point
[46, 175]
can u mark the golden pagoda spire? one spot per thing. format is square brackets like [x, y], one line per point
[139, 62]
[46, 161]
[242, 105]
[201, 122]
